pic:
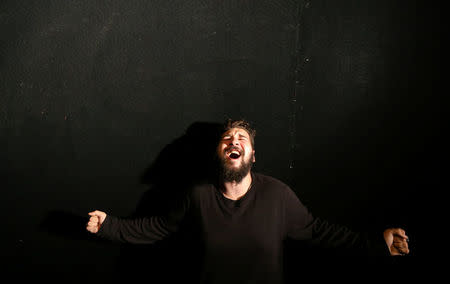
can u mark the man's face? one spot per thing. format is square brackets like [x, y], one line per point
[236, 154]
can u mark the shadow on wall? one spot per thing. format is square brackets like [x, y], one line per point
[188, 160]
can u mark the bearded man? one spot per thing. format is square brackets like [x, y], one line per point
[242, 219]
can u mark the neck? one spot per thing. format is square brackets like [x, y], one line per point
[234, 191]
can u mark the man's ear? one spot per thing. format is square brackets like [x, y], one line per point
[254, 159]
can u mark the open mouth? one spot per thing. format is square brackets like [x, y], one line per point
[234, 154]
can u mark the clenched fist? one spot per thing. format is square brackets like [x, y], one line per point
[96, 221]
[397, 241]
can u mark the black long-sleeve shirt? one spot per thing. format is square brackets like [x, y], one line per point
[242, 239]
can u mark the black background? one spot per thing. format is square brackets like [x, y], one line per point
[344, 96]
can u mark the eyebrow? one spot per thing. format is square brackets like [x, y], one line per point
[240, 135]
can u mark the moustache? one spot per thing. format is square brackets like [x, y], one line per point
[229, 150]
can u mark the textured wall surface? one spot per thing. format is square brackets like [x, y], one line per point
[343, 95]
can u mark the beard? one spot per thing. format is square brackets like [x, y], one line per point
[232, 174]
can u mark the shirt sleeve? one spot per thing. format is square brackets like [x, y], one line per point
[300, 224]
[144, 230]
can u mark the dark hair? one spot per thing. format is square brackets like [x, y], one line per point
[241, 123]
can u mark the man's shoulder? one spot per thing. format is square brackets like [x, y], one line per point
[202, 190]
[265, 180]
[274, 187]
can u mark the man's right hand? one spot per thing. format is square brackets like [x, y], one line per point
[96, 221]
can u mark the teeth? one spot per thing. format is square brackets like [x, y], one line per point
[234, 152]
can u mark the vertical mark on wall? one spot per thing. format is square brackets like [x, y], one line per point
[298, 85]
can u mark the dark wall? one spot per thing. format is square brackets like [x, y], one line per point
[342, 93]
[368, 108]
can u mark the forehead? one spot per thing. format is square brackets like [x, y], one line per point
[236, 131]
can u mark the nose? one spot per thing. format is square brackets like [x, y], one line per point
[234, 141]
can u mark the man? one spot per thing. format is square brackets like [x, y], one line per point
[242, 219]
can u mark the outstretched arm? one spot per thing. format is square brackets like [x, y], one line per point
[145, 230]
[301, 225]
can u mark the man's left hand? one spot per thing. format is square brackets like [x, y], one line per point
[397, 241]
